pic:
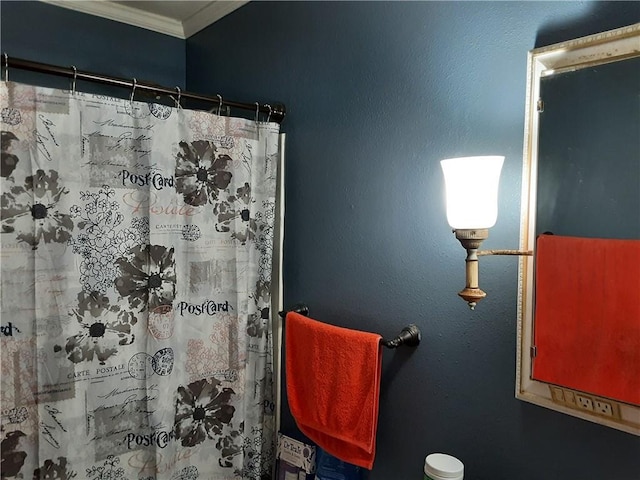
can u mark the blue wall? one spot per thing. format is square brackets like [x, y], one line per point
[45, 33]
[377, 93]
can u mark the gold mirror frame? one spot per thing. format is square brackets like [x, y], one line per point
[606, 47]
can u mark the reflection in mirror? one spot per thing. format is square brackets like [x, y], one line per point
[588, 183]
[579, 314]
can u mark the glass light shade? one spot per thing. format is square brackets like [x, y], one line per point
[472, 191]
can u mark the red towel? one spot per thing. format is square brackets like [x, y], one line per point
[587, 315]
[333, 386]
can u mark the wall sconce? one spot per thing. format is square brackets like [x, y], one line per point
[471, 185]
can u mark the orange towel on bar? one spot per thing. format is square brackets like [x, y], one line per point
[587, 315]
[333, 386]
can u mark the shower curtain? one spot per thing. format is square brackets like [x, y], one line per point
[135, 272]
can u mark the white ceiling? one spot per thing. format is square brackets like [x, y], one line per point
[178, 19]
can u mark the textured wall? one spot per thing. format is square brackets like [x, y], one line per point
[45, 33]
[377, 93]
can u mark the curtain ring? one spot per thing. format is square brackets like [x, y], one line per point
[219, 103]
[257, 111]
[133, 90]
[73, 83]
[270, 110]
[179, 95]
[6, 67]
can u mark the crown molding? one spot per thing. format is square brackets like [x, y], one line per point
[124, 14]
[210, 14]
[151, 21]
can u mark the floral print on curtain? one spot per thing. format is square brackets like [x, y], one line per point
[136, 260]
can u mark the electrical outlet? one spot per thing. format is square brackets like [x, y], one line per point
[585, 403]
[602, 407]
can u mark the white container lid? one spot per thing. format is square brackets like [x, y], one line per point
[443, 466]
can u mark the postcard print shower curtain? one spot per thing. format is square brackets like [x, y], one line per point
[136, 262]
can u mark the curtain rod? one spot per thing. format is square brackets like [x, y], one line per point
[275, 112]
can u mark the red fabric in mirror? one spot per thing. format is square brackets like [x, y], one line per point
[587, 315]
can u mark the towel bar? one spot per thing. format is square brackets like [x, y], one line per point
[409, 336]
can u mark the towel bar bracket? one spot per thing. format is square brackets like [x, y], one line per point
[300, 308]
[409, 336]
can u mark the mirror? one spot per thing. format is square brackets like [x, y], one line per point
[581, 181]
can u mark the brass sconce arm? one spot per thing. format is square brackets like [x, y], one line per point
[482, 253]
[471, 239]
